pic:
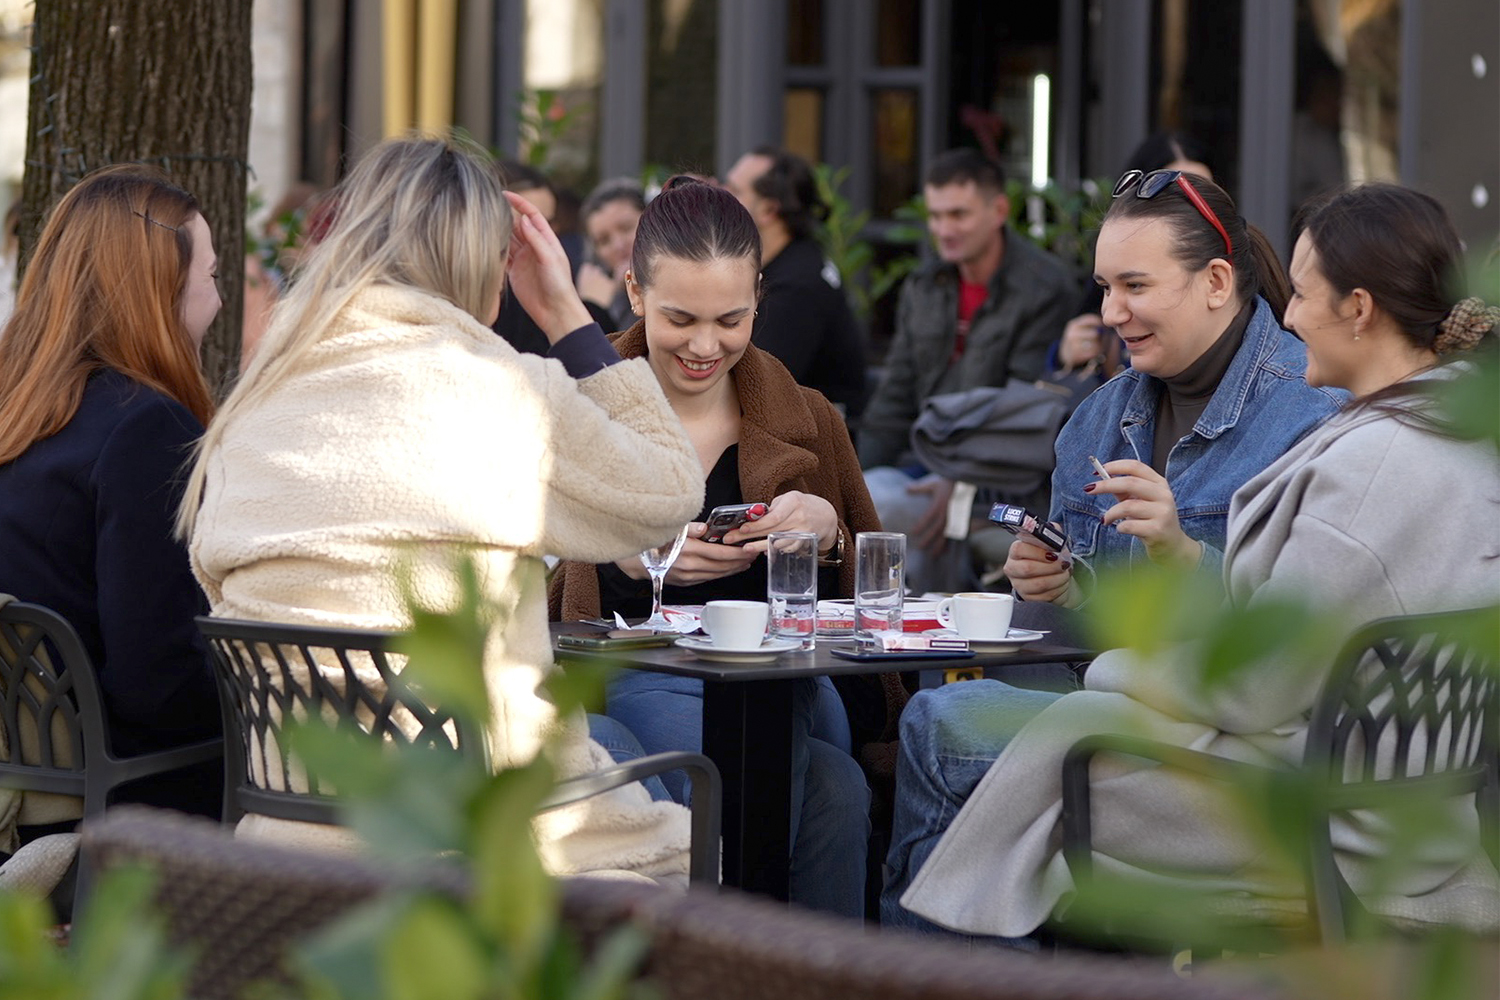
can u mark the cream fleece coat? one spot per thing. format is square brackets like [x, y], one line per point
[411, 432]
[1369, 518]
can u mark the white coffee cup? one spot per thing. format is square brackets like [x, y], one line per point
[977, 615]
[736, 624]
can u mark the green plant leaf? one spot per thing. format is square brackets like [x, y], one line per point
[432, 954]
[1285, 628]
[515, 899]
[579, 686]
[1469, 402]
[119, 947]
[1448, 967]
[1114, 909]
[344, 958]
[616, 961]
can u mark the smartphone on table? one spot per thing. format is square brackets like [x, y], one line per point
[722, 520]
[1024, 524]
[619, 638]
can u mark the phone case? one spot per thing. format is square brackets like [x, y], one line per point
[723, 520]
[903, 654]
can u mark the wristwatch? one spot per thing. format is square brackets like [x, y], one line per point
[835, 556]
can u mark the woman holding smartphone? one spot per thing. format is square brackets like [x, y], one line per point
[1213, 396]
[1330, 524]
[759, 437]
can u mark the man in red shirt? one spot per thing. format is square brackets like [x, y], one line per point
[987, 310]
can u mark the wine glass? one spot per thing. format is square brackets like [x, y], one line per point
[657, 561]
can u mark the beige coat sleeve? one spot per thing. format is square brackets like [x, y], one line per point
[622, 474]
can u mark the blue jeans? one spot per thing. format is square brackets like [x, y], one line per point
[949, 738]
[830, 826]
[624, 748]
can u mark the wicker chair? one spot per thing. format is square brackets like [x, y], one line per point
[53, 723]
[1411, 703]
[244, 905]
[271, 672]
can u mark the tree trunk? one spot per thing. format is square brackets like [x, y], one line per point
[165, 82]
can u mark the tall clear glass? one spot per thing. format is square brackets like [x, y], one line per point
[792, 585]
[657, 561]
[879, 584]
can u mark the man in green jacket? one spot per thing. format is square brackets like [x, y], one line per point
[987, 310]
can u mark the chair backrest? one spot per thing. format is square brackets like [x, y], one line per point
[1411, 702]
[51, 714]
[1409, 698]
[271, 673]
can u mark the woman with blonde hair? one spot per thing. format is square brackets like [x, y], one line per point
[101, 399]
[382, 427]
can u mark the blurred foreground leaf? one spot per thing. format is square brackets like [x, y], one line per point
[1472, 403]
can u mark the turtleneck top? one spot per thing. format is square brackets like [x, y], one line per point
[1188, 392]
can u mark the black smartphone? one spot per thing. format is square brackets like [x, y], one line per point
[1024, 524]
[867, 655]
[722, 520]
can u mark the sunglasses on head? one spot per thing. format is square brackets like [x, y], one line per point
[1150, 185]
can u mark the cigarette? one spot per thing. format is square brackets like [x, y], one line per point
[1098, 467]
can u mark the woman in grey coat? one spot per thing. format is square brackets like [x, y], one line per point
[1343, 520]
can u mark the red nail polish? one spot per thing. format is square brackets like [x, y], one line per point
[1089, 487]
[1052, 557]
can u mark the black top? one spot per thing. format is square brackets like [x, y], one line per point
[86, 520]
[805, 321]
[632, 598]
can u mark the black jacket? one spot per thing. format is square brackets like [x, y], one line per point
[805, 321]
[86, 529]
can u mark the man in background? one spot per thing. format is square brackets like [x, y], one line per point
[803, 318]
[985, 311]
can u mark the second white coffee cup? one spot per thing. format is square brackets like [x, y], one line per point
[977, 615]
[736, 624]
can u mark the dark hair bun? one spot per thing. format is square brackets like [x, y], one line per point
[682, 180]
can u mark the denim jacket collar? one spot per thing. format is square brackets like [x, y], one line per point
[1224, 409]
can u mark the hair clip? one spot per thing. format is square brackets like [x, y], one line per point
[148, 218]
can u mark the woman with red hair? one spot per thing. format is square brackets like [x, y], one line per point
[101, 400]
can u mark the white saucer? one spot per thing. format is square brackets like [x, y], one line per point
[704, 649]
[1015, 639]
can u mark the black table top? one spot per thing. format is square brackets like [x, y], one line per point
[815, 662]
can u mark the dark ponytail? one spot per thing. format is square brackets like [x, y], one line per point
[1270, 276]
[694, 221]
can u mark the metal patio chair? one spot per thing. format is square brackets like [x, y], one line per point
[53, 726]
[270, 672]
[1412, 703]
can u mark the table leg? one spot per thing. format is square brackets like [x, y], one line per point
[747, 732]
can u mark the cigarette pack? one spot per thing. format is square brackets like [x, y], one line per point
[892, 641]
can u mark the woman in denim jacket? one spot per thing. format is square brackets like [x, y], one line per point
[1215, 393]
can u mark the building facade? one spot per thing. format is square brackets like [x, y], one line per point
[1286, 95]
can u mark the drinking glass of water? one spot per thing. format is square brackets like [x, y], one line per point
[657, 561]
[879, 584]
[792, 585]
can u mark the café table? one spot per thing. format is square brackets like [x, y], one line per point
[747, 732]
